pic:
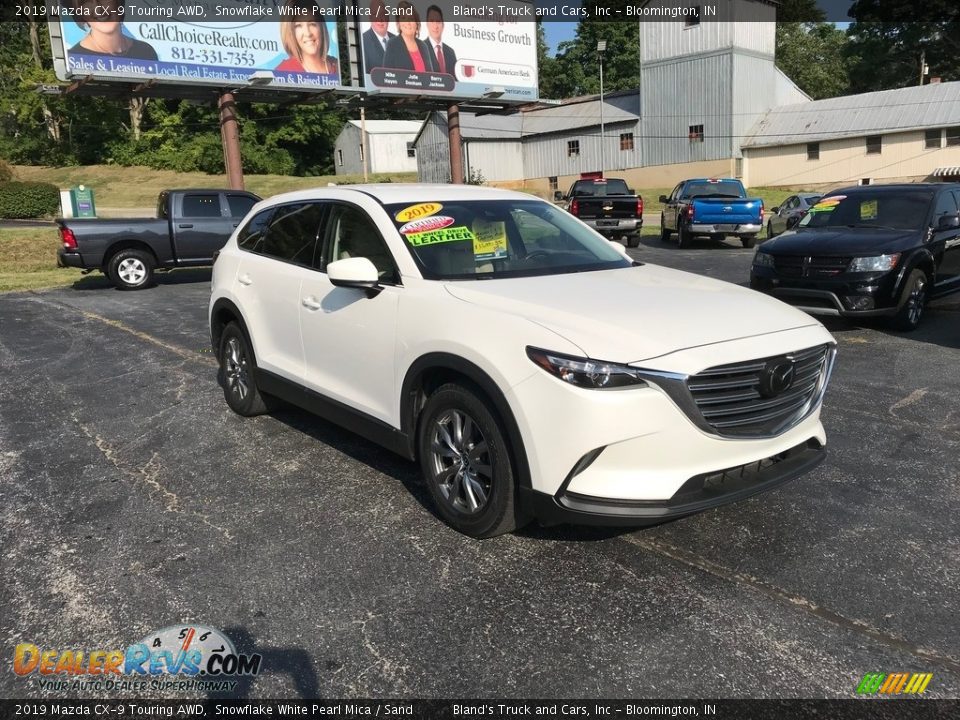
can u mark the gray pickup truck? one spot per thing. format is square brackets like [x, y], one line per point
[191, 225]
[608, 206]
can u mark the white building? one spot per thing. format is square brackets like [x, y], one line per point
[388, 146]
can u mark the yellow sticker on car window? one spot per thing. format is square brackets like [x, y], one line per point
[828, 204]
[418, 211]
[868, 210]
[491, 239]
[444, 235]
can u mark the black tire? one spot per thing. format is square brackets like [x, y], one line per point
[237, 374]
[683, 237]
[749, 241]
[131, 269]
[769, 229]
[633, 240]
[664, 232]
[476, 502]
[913, 300]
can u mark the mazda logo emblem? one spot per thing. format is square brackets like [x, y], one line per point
[776, 378]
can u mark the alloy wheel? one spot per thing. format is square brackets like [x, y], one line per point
[915, 302]
[235, 369]
[460, 461]
[132, 271]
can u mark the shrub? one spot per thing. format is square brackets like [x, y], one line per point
[6, 172]
[28, 199]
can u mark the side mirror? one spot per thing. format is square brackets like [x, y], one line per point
[631, 191]
[664, 199]
[557, 196]
[948, 222]
[775, 210]
[357, 273]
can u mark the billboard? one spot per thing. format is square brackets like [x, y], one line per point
[462, 50]
[289, 44]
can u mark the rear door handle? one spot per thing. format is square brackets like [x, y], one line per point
[185, 226]
[310, 303]
[245, 279]
[235, 224]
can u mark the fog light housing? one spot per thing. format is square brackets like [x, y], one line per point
[860, 302]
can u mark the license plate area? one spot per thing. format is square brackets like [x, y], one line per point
[607, 223]
[726, 228]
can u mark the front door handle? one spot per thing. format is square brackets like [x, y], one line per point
[185, 226]
[310, 303]
[245, 279]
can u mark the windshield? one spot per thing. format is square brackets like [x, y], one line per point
[592, 188]
[488, 239]
[896, 210]
[706, 189]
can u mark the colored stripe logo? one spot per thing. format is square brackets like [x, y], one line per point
[894, 683]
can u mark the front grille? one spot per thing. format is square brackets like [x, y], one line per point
[728, 397]
[804, 266]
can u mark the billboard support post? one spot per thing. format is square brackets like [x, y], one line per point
[453, 138]
[230, 135]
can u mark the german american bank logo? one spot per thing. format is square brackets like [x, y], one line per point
[179, 657]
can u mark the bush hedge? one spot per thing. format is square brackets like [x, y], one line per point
[19, 200]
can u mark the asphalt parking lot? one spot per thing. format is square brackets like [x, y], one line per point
[133, 499]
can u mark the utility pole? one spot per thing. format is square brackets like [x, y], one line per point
[601, 48]
[454, 138]
[230, 136]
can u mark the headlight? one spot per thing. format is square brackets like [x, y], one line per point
[762, 259]
[877, 263]
[584, 372]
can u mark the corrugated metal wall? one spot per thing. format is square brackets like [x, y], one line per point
[693, 91]
[348, 143]
[752, 30]
[754, 93]
[433, 152]
[493, 160]
[548, 155]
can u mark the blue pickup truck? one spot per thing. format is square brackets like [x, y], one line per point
[711, 206]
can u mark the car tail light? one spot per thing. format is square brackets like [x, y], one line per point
[761, 213]
[639, 206]
[574, 207]
[68, 238]
[689, 211]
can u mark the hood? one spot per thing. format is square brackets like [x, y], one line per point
[633, 314]
[841, 241]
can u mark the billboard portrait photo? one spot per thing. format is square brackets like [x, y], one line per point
[436, 47]
[295, 40]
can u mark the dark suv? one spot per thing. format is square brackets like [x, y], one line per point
[874, 250]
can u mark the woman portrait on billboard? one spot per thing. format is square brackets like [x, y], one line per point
[407, 51]
[306, 39]
[103, 21]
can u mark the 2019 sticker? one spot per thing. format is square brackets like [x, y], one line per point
[420, 210]
[444, 235]
[434, 222]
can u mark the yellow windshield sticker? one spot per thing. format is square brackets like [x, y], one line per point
[827, 204]
[491, 239]
[420, 210]
[444, 235]
[868, 210]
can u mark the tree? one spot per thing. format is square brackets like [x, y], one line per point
[577, 69]
[887, 40]
[812, 55]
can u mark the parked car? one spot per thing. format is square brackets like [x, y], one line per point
[714, 207]
[608, 206]
[529, 366]
[867, 251]
[191, 225]
[788, 213]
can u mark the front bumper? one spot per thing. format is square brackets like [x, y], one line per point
[631, 456]
[699, 493]
[724, 229]
[872, 297]
[616, 226]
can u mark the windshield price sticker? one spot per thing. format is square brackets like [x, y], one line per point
[828, 204]
[868, 210]
[450, 234]
[420, 210]
[490, 242]
[435, 222]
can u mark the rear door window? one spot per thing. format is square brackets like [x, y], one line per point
[252, 234]
[201, 206]
[292, 233]
[240, 205]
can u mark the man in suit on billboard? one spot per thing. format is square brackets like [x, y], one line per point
[442, 56]
[375, 39]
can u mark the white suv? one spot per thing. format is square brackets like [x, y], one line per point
[527, 363]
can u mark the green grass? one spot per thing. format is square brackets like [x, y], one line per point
[28, 260]
[138, 187]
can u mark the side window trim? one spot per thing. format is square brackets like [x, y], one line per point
[327, 243]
